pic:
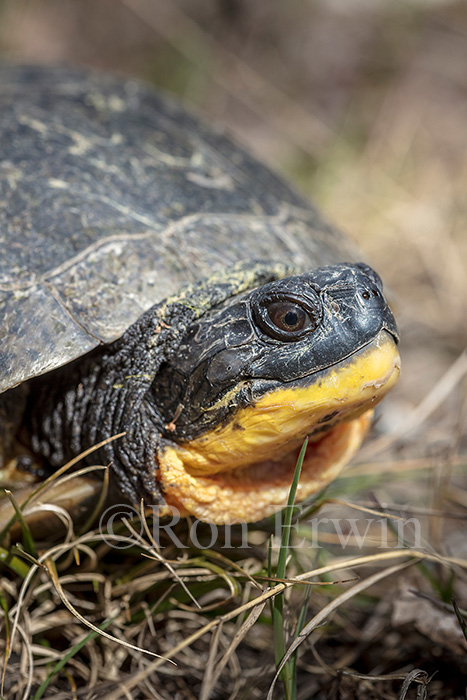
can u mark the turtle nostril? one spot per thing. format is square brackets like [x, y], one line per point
[367, 294]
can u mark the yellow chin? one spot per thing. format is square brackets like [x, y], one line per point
[242, 470]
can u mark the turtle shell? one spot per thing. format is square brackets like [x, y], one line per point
[112, 198]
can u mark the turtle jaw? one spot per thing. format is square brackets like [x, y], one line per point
[215, 477]
[251, 493]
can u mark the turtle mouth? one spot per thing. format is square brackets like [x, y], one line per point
[242, 471]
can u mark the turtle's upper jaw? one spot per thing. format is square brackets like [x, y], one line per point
[305, 355]
[242, 470]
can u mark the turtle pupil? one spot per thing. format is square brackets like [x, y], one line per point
[291, 318]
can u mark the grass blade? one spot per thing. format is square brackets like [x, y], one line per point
[60, 664]
[288, 669]
[460, 618]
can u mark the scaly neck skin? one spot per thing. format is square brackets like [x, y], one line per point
[91, 400]
[109, 391]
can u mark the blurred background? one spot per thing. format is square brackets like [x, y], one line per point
[363, 105]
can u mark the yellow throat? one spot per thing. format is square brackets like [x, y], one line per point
[242, 470]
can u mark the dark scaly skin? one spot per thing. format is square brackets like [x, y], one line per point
[105, 392]
[132, 386]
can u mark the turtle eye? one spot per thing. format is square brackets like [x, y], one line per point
[287, 316]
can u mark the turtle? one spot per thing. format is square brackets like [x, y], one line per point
[159, 284]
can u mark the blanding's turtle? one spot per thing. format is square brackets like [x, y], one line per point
[158, 281]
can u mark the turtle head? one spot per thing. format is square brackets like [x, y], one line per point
[307, 355]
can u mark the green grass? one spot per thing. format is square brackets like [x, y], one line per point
[288, 673]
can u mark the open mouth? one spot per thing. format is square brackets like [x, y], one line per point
[242, 471]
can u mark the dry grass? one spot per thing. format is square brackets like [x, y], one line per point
[363, 104]
[80, 612]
